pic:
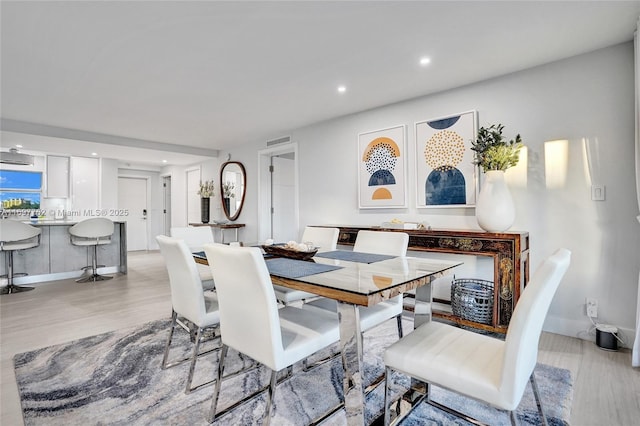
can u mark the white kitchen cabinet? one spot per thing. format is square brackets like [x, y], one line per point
[85, 186]
[57, 177]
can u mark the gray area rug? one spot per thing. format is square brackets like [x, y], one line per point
[115, 378]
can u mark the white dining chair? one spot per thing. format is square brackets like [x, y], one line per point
[92, 233]
[324, 238]
[376, 242]
[252, 324]
[187, 301]
[476, 365]
[195, 237]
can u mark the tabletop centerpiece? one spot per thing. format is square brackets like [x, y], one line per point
[292, 249]
[495, 154]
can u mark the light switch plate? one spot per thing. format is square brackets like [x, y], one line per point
[598, 192]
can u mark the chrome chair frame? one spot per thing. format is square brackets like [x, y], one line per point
[426, 397]
[195, 354]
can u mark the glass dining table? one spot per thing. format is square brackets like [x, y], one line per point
[359, 281]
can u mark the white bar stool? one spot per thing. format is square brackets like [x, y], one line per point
[92, 232]
[14, 236]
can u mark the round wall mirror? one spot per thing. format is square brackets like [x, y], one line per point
[232, 188]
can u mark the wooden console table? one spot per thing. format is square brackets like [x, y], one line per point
[222, 227]
[509, 250]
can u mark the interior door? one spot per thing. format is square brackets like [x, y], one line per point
[132, 196]
[283, 198]
[166, 201]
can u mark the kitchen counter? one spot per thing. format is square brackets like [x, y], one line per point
[53, 222]
[56, 258]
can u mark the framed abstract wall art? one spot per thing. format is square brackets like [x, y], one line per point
[382, 168]
[445, 173]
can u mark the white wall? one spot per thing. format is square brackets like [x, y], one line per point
[209, 170]
[587, 100]
[108, 183]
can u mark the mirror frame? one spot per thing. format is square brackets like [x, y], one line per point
[244, 189]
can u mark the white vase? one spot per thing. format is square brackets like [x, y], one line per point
[495, 211]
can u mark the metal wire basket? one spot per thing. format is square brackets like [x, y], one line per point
[472, 299]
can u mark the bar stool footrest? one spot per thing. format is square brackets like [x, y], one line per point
[12, 288]
[94, 278]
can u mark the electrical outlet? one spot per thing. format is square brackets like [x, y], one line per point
[592, 307]
[598, 192]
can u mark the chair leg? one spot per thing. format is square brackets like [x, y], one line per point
[290, 371]
[216, 392]
[536, 394]
[174, 317]
[399, 320]
[387, 382]
[513, 417]
[194, 358]
[272, 393]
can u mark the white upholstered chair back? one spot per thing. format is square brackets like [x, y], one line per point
[324, 238]
[382, 242]
[194, 236]
[249, 321]
[525, 327]
[98, 230]
[16, 235]
[187, 297]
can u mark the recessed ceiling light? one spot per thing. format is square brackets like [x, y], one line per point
[164, 161]
[425, 61]
[18, 146]
[94, 153]
[342, 89]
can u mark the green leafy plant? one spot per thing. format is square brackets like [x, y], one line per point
[493, 151]
[206, 189]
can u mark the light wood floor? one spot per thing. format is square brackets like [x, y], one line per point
[606, 389]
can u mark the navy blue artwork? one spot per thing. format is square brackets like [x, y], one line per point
[445, 123]
[445, 186]
[382, 177]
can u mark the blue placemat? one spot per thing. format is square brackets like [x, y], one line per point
[354, 256]
[292, 268]
[200, 254]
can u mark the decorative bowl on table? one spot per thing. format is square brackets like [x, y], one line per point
[282, 250]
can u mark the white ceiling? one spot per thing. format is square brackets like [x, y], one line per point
[211, 74]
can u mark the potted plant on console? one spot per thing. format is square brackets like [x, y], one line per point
[495, 210]
[205, 192]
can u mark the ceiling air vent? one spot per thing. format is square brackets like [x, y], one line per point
[14, 157]
[283, 139]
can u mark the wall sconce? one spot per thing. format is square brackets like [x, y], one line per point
[556, 160]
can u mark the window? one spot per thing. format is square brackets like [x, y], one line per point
[20, 190]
